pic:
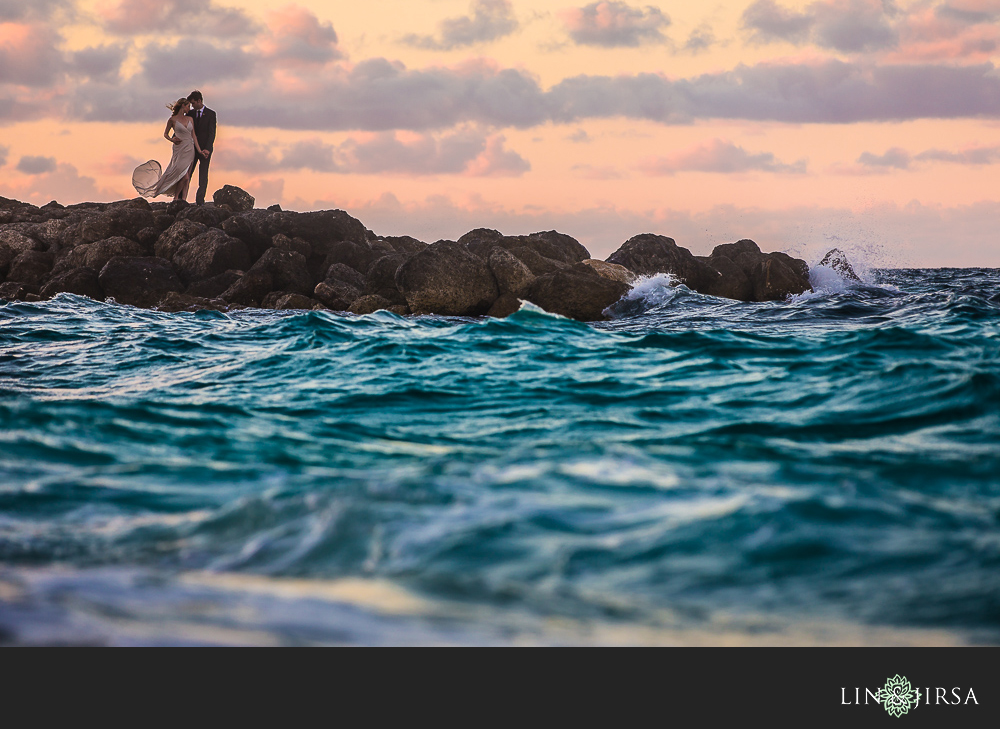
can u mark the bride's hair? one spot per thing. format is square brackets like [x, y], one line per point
[176, 106]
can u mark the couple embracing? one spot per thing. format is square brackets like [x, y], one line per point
[193, 125]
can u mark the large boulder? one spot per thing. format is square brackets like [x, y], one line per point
[578, 293]
[296, 301]
[16, 291]
[179, 233]
[381, 277]
[548, 244]
[210, 254]
[775, 279]
[512, 276]
[369, 304]
[649, 254]
[765, 276]
[403, 243]
[17, 242]
[836, 259]
[610, 270]
[335, 294]
[346, 274]
[212, 288]
[140, 281]
[237, 199]
[446, 278]
[174, 302]
[288, 269]
[80, 281]
[251, 288]
[117, 220]
[96, 254]
[30, 267]
[207, 215]
[358, 256]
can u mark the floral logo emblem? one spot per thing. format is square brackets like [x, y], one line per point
[897, 696]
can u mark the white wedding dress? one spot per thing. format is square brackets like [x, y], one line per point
[147, 179]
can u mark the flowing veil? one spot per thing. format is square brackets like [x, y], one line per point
[146, 176]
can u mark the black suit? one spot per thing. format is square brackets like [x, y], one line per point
[204, 129]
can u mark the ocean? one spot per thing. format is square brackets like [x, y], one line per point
[696, 471]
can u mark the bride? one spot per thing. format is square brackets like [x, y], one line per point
[147, 179]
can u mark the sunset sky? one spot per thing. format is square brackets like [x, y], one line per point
[872, 125]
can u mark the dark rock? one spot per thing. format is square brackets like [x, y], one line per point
[766, 276]
[174, 302]
[292, 244]
[381, 277]
[163, 221]
[209, 254]
[274, 208]
[288, 270]
[236, 199]
[139, 281]
[96, 254]
[295, 301]
[649, 254]
[17, 291]
[837, 260]
[270, 301]
[346, 274]
[212, 288]
[175, 236]
[80, 281]
[370, 304]
[210, 216]
[446, 278]
[404, 243]
[336, 295]
[578, 293]
[50, 232]
[175, 206]
[773, 280]
[482, 240]
[240, 226]
[548, 244]
[503, 307]
[538, 264]
[116, 221]
[512, 276]
[147, 238]
[30, 267]
[320, 228]
[358, 256]
[251, 288]
[730, 281]
[611, 270]
[17, 242]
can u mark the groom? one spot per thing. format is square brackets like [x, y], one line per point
[204, 129]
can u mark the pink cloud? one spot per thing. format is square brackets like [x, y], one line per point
[295, 34]
[183, 17]
[463, 152]
[29, 54]
[612, 24]
[719, 156]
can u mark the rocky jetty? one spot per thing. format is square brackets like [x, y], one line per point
[179, 257]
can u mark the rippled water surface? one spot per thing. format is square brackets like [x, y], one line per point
[695, 471]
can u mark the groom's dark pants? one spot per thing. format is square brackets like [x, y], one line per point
[202, 164]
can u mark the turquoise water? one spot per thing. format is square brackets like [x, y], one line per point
[697, 470]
